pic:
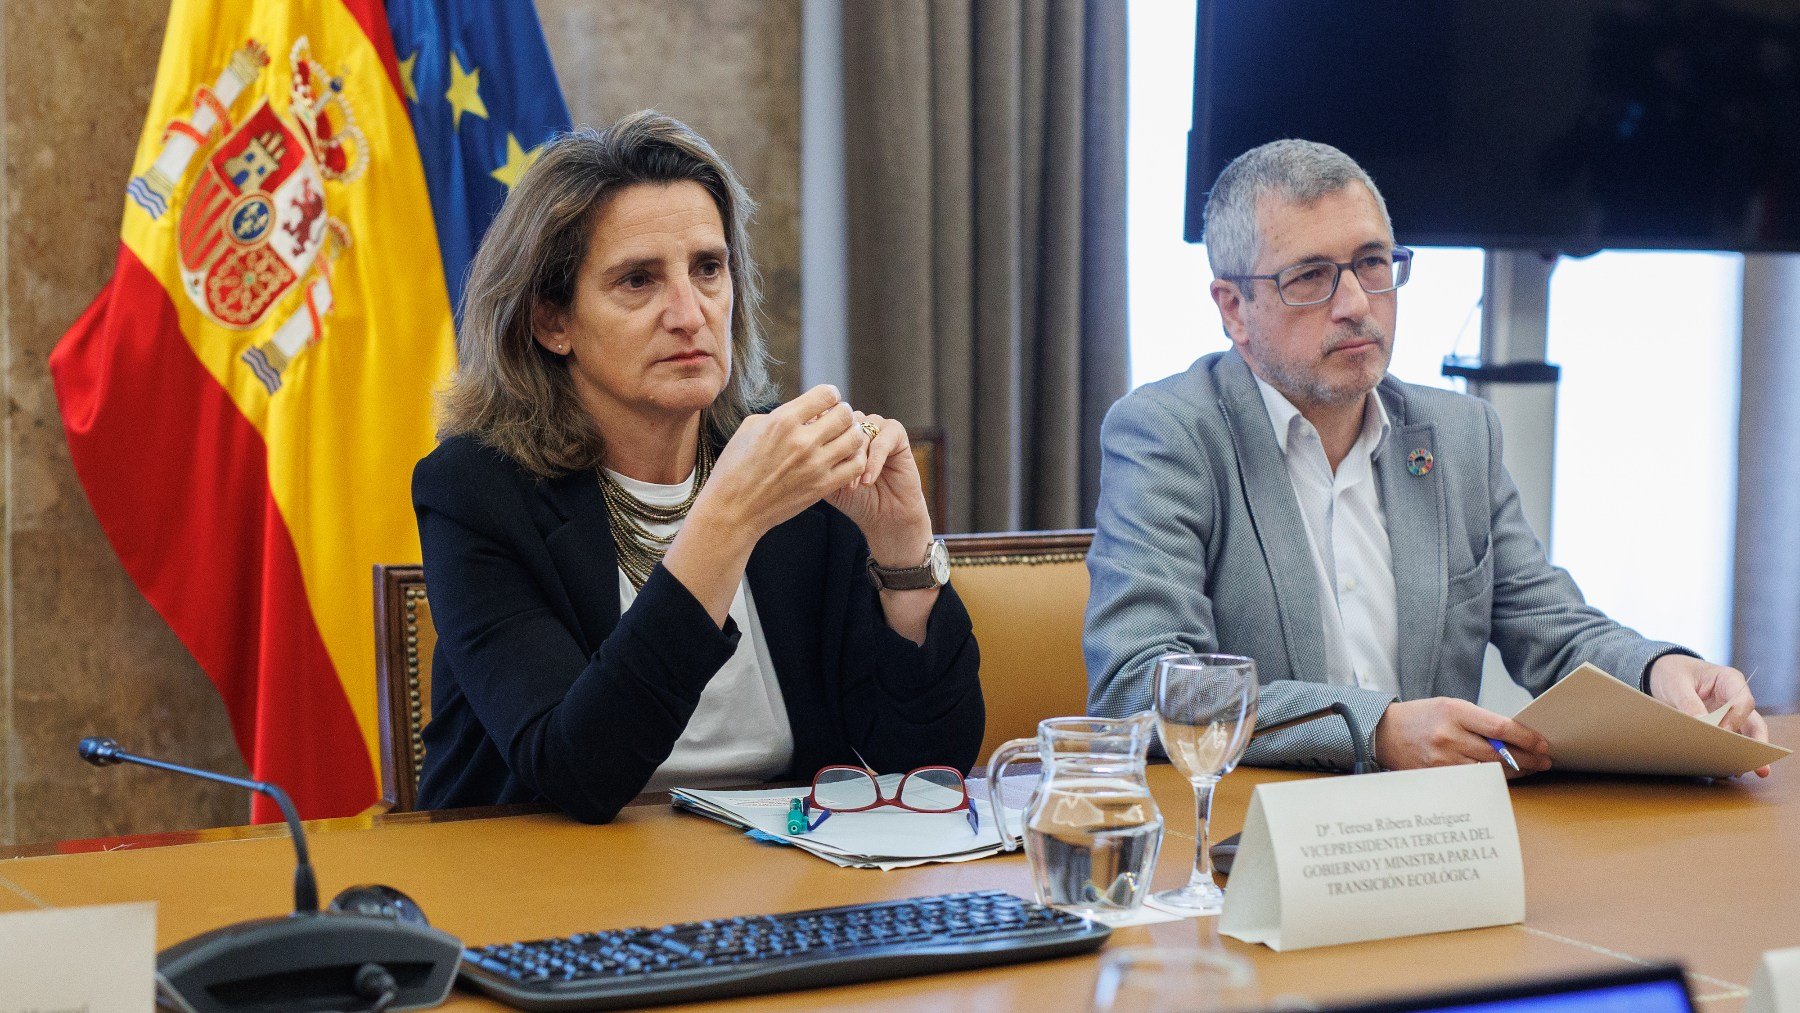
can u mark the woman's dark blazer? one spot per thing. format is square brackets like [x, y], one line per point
[541, 691]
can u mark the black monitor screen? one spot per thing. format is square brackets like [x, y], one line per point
[1642, 997]
[1656, 988]
[1568, 126]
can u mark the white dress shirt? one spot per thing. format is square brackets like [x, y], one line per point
[1346, 527]
[739, 734]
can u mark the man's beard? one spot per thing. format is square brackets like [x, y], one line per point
[1301, 385]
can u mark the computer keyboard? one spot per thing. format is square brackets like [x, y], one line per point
[776, 953]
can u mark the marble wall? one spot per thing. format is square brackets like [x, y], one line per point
[80, 651]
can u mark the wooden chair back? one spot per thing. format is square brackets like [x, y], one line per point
[928, 444]
[404, 640]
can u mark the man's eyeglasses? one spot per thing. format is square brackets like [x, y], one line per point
[844, 789]
[1316, 281]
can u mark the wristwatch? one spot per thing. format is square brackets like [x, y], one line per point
[934, 572]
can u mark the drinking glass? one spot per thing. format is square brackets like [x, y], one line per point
[1149, 979]
[1205, 707]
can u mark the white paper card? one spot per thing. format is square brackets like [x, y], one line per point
[1347, 859]
[1596, 723]
[98, 959]
[1776, 987]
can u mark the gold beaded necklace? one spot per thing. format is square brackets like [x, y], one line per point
[638, 550]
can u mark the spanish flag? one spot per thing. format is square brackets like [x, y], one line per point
[245, 400]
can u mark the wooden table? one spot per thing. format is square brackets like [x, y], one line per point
[1617, 871]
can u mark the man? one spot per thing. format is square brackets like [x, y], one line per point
[1357, 536]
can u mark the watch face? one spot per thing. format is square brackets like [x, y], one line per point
[939, 558]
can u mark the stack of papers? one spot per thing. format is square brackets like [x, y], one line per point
[1596, 723]
[884, 838]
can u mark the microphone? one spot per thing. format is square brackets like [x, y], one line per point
[340, 959]
[1224, 852]
[105, 752]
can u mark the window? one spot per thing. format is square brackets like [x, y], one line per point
[1173, 319]
[1646, 438]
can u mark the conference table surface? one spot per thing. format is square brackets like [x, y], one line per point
[1618, 872]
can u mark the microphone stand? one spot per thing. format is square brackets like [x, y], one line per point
[309, 959]
[1226, 850]
[105, 753]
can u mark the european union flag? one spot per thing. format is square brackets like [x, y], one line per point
[484, 99]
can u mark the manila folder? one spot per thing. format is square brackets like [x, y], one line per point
[1596, 723]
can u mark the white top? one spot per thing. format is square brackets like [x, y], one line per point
[739, 733]
[1346, 527]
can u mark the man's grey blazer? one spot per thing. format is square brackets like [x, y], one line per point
[1200, 546]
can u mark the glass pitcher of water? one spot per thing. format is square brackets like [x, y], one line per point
[1091, 830]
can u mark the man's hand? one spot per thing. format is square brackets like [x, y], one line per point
[1443, 730]
[1699, 687]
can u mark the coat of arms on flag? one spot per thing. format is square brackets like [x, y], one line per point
[255, 225]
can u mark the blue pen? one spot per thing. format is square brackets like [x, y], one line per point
[1505, 754]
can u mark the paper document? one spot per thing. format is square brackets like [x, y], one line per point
[99, 959]
[884, 838]
[1596, 723]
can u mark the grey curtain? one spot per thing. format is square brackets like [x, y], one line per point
[1765, 625]
[985, 175]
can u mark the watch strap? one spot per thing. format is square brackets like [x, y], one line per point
[906, 578]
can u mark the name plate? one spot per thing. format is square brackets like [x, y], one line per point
[1348, 859]
[1776, 987]
[98, 959]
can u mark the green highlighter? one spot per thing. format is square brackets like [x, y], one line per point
[796, 817]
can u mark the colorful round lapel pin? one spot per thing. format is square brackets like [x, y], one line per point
[1419, 462]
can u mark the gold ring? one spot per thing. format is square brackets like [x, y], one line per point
[869, 427]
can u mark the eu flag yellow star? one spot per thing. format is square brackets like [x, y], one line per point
[517, 161]
[464, 93]
[406, 76]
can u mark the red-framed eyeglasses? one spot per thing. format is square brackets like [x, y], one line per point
[845, 789]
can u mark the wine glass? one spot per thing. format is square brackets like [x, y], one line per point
[1205, 708]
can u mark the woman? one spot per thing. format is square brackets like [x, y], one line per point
[637, 580]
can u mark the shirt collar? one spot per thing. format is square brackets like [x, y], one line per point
[1284, 417]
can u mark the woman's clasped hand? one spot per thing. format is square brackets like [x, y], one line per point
[816, 447]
